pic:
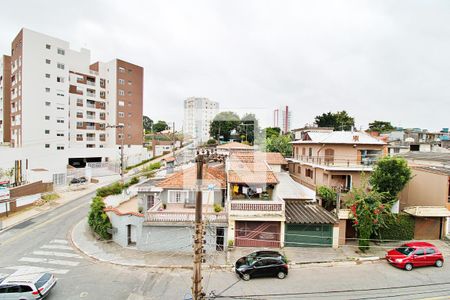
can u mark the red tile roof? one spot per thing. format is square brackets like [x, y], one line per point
[187, 179]
[249, 177]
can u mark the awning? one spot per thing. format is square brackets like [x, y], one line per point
[427, 211]
[301, 212]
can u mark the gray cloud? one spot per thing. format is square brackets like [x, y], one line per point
[384, 60]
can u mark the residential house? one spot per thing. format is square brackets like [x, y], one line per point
[336, 159]
[427, 195]
[228, 148]
[169, 210]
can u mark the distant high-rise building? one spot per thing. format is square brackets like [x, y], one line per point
[282, 119]
[198, 115]
[5, 98]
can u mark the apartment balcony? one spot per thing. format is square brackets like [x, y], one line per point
[90, 127]
[177, 213]
[256, 208]
[91, 83]
[73, 89]
[90, 105]
[90, 138]
[91, 117]
[333, 161]
[100, 105]
[79, 139]
[90, 94]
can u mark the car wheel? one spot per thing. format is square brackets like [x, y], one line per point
[439, 263]
[408, 267]
[246, 277]
[281, 275]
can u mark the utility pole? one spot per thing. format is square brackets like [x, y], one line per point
[197, 290]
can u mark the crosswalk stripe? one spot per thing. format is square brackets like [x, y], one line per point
[62, 242]
[54, 253]
[33, 270]
[60, 247]
[50, 261]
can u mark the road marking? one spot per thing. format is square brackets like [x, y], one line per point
[59, 254]
[62, 242]
[59, 247]
[36, 270]
[50, 261]
[62, 215]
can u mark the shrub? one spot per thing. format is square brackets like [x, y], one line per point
[98, 220]
[134, 180]
[211, 142]
[328, 196]
[114, 189]
[217, 208]
[139, 164]
[50, 197]
[397, 227]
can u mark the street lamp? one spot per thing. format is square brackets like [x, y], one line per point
[121, 126]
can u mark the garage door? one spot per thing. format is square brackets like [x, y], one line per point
[309, 235]
[257, 234]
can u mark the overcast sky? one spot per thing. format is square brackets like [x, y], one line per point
[384, 60]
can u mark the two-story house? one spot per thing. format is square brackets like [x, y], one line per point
[336, 159]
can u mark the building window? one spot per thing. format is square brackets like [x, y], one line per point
[47, 75]
[59, 147]
[47, 145]
[47, 131]
[47, 103]
[47, 61]
[310, 152]
[121, 70]
[121, 114]
[47, 117]
[60, 121]
[61, 51]
[47, 90]
[60, 134]
[60, 108]
[121, 93]
[47, 46]
[129, 115]
[79, 102]
[121, 81]
[79, 124]
[60, 94]
[60, 66]
[60, 79]
[129, 82]
[121, 103]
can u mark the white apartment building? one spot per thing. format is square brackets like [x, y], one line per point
[63, 106]
[282, 119]
[198, 115]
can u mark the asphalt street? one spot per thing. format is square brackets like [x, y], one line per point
[43, 244]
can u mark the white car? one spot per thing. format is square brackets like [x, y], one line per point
[26, 286]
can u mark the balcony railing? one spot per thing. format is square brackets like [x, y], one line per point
[90, 127]
[173, 216]
[364, 160]
[90, 116]
[256, 207]
[90, 138]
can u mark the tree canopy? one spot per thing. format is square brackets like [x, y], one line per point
[160, 126]
[390, 176]
[147, 123]
[338, 121]
[248, 128]
[279, 144]
[270, 132]
[223, 124]
[381, 126]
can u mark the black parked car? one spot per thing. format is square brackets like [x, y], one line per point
[262, 264]
[78, 180]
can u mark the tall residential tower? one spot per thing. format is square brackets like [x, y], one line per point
[198, 115]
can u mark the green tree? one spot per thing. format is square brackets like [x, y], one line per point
[271, 132]
[160, 126]
[223, 124]
[249, 128]
[390, 175]
[98, 220]
[339, 120]
[368, 212]
[328, 196]
[381, 126]
[280, 144]
[147, 123]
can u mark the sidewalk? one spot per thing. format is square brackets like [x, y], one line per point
[298, 257]
[108, 251]
[67, 195]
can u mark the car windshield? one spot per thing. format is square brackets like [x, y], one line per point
[405, 250]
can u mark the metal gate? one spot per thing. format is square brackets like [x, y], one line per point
[308, 235]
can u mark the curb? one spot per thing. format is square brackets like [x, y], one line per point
[125, 264]
[331, 263]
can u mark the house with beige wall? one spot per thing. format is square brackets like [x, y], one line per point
[426, 197]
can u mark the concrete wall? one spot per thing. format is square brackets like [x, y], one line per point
[425, 189]
[120, 223]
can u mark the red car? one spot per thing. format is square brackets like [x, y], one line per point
[415, 254]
